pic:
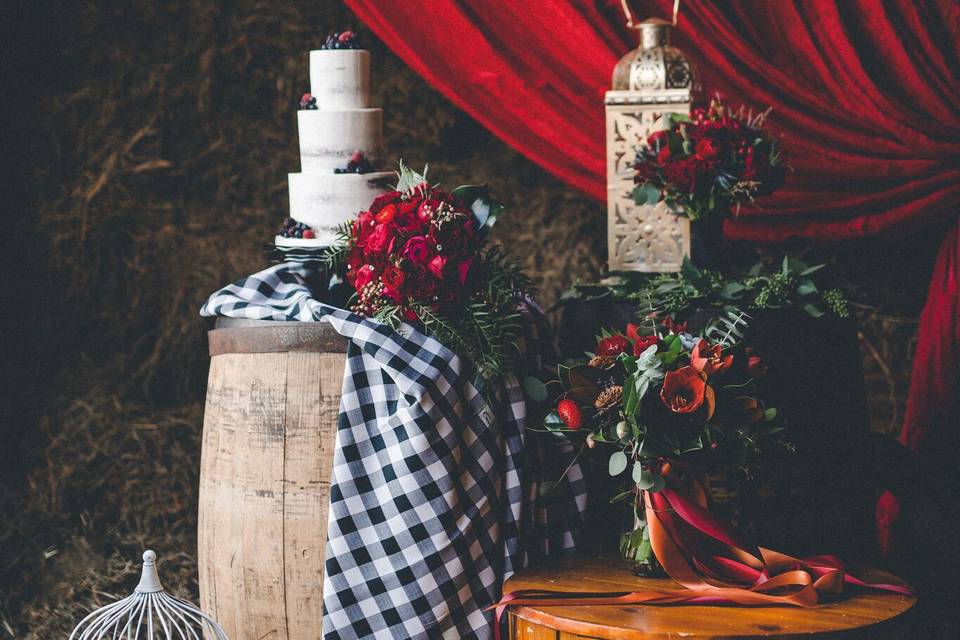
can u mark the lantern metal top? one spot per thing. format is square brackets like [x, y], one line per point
[149, 613]
[655, 72]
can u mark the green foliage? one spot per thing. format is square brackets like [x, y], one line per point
[677, 294]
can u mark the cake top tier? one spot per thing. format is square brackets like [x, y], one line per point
[340, 78]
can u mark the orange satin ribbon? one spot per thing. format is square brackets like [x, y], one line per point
[679, 521]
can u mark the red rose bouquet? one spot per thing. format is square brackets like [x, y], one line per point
[419, 254]
[710, 162]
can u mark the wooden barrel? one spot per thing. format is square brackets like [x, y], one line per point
[269, 430]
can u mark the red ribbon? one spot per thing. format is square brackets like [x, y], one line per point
[679, 522]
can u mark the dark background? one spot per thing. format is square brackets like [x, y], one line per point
[147, 148]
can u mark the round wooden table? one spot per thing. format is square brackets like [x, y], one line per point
[861, 614]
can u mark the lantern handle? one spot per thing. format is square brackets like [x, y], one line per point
[629, 14]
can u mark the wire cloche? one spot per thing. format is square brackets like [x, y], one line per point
[150, 613]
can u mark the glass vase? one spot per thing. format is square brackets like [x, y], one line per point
[635, 545]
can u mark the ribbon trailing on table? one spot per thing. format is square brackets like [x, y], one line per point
[682, 530]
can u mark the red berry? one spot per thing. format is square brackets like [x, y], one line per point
[309, 234]
[356, 157]
[346, 35]
[570, 413]
[305, 98]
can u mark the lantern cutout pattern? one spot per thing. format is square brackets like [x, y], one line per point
[149, 614]
[649, 83]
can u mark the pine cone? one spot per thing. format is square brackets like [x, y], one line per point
[609, 397]
[602, 362]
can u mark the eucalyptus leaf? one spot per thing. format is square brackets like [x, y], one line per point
[812, 269]
[769, 414]
[643, 477]
[806, 288]
[617, 464]
[620, 497]
[650, 193]
[813, 310]
[639, 195]
[535, 389]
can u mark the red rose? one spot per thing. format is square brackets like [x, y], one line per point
[685, 391]
[709, 358]
[612, 346]
[380, 238]
[364, 276]
[417, 250]
[436, 266]
[393, 278]
[709, 149]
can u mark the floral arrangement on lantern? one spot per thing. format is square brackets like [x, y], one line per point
[419, 254]
[655, 398]
[710, 162]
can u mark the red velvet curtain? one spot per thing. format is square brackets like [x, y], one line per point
[864, 92]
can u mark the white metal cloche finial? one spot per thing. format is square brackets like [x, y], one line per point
[151, 609]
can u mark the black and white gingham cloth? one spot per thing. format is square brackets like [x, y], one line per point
[433, 495]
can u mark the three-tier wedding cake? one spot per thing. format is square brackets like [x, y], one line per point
[341, 141]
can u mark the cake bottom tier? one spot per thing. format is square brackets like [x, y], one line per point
[325, 201]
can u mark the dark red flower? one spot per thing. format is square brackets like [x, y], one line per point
[686, 390]
[364, 276]
[612, 346]
[393, 278]
[709, 358]
[658, 139]
[380, 238]
[463, 270]
[417, 250]
[386, 215]
[362, 228]
[422, 285]
[709, 149]
[682, 174]
[384, 199]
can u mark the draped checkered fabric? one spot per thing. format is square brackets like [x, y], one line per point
[434, 488]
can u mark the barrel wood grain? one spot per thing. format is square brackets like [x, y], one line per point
[860, 614]
[267, 458]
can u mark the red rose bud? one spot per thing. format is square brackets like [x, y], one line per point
[570, 413]
[345, 36]
[612, 346]
[305, 99]
[356, 157]
[309, 234]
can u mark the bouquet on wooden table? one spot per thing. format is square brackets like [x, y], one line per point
[419, 254]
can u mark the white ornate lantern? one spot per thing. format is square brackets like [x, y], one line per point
[648, 83]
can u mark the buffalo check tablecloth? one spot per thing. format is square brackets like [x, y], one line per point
[435, 483]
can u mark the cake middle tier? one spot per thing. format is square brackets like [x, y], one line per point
[324, 202]
[329, 138]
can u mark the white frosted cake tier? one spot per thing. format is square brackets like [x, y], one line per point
[324, 202]
[329, 138]
[340, 78]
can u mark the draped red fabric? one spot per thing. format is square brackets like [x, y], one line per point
[865, 94]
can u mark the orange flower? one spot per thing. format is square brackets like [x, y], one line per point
[709, 358]
[686, 391]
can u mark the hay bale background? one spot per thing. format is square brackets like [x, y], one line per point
[159, 153]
